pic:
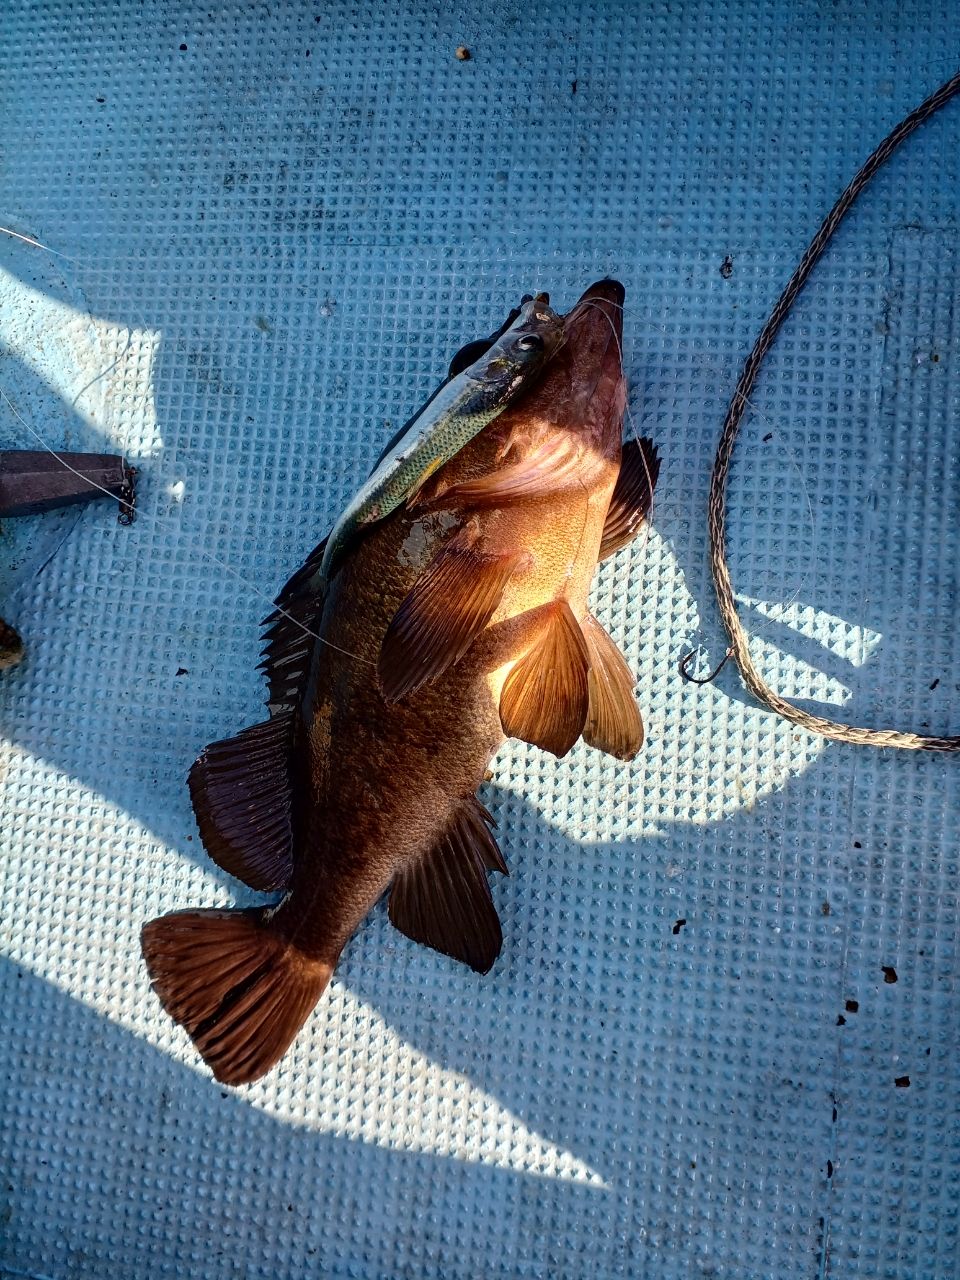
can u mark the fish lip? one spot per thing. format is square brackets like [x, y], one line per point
[606, 295]
[596, 390]
[605, 290]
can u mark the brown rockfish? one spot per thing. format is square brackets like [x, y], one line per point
[461, 619]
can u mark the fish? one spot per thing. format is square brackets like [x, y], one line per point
[459, 620]
[463, 405]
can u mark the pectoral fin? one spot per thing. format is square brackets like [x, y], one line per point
[632, 495]
[443, 899]
[545, 697]
[613, 723]
[447, 608]
[542, 471]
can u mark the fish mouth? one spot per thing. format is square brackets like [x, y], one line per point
[592, 356]
[605, 300]
[582, 389]
[605, 290]
[594, 325]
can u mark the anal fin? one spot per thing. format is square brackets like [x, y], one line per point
[545, 697]
[241, 795]
[613, 723]
[442, 899]
[447, 608]
[632, 495]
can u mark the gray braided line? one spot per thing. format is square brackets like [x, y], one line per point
[717, 515]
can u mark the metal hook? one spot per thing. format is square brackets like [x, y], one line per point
[685, 667]
[128, 497]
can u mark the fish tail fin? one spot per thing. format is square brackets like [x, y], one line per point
[237, 986]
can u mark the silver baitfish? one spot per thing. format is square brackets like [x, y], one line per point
[454, 415]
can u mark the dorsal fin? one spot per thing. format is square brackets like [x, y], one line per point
[287, 646]
[632, 495]
[442, 899]
[446, 609]
[240, 789]
[613, 720]
[545, 697]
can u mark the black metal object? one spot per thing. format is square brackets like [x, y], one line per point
[33, 481]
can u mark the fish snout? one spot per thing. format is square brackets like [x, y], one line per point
[593, 350]
[600, 307]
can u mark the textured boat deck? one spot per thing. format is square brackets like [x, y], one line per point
[722, 1038]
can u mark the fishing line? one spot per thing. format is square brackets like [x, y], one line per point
[783, 606]
[170, 525]
[236, 574]
[595, 306]
[716, 511]
[158, 520]
[149, 517]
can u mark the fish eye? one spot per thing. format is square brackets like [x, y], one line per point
[530, 342]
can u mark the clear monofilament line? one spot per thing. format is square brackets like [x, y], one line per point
[160, 522]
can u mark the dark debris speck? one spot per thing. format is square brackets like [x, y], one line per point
[852, 1006]
[768, 437]
[726, 267]
[841, 1020]
[183, 48]
[889, 974]
[678, 924]
[182, 671]
[934, 683]
[902, 1082]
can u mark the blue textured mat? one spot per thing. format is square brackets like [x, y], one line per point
[278, 223]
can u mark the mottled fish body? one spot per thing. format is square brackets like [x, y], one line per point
[455, 622]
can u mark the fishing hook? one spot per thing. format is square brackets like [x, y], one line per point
[688, 658]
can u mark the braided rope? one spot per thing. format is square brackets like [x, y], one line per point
[717, 515]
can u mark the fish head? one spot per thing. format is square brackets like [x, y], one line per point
[517, 357]
[593, 368]
[583, 390]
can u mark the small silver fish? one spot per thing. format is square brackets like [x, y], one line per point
[450, 419]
